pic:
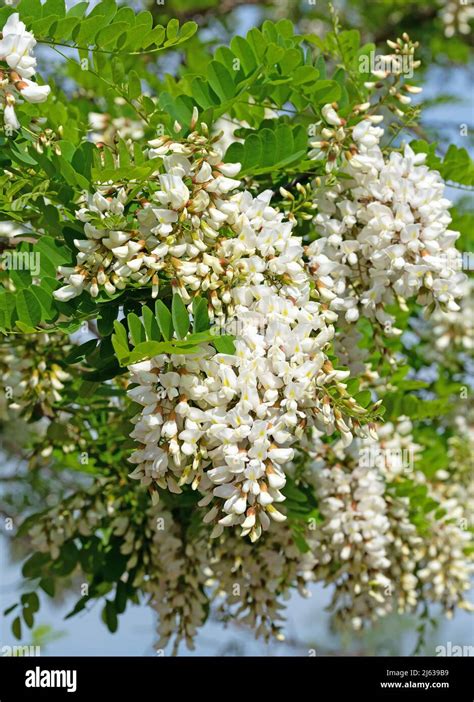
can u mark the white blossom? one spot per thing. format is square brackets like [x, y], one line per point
[383, 234]
[16, 47]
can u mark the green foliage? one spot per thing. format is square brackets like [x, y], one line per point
[456, 165]
[269, 149]
[107, 27]
[166, 332]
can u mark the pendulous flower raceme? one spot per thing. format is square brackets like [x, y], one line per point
[367, 543]
[383, 234]
[371, 544]
[167, 233]
[16, 46]
[30, 375]
[224, 423]
[182, 575]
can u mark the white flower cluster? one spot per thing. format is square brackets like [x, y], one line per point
[189, 575]
[249, 588]
[106, 129]
[367, 547]
[179, 570]
[353, 541]
[453, 331]
[16, 45]
[8, 231]
[456, 16]
[183, 575]
[369, 544]
[30, 376]
[383, 234]
[179, 221]
[226, 423]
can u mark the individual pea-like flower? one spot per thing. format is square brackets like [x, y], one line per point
[16, 46]
[383, 235]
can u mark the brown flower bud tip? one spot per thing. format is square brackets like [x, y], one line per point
[100, 145]
[250, 512]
